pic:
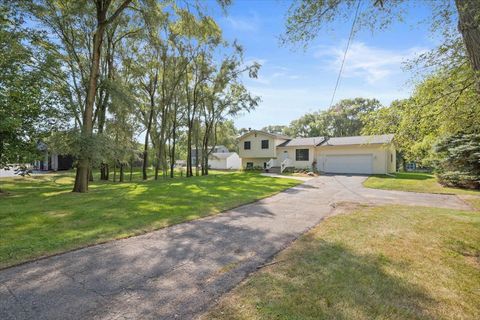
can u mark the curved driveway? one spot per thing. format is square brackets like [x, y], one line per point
[178, 272]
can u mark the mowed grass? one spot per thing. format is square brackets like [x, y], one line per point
[414, 182]
[41, 216]
[391, 262]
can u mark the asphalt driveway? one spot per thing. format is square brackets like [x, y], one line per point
[178, 272]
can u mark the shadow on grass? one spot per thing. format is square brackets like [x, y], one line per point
[45, 217]
[174, 273]
[324, 280]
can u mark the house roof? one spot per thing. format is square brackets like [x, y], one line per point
[344, 141]
[274, 135]
[221, 155]
[296, 142]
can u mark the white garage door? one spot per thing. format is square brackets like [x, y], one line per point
[350, 163]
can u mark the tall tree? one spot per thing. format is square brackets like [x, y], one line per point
[72, 22]
[103, 19]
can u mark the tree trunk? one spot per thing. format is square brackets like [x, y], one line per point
[115, 171]
[147, 134]
[121, 172]
[157, 165]
[81, 177]
[131, 170]
[469, 27]
[189, 151]
[172, 153]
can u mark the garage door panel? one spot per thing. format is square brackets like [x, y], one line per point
[349, 163]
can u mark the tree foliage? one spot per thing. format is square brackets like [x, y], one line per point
[343, 119]
[459, 160]
[29, 105]
[159, 70]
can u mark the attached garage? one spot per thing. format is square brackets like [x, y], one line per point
[357, 155]
[349, 163]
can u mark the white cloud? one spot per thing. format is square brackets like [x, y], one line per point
[369, 63]
[245, 23]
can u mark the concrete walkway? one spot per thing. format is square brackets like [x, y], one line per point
[178, 272]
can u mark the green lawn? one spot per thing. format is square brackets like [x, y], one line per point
[415, 182]
[391, 262]
[40, 215]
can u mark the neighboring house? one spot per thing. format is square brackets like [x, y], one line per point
[52, 161]
[180, 163]
[216, 149]
[224, 160]
[360, 154]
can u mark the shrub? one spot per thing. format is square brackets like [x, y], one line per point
[458, 161]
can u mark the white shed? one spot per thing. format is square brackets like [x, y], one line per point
[224, 160]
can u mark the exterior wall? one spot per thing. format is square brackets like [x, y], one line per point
[392, 159]
[381, 155]
[290, 151]
[234, 162]
[217, 163]
[256, 150]
[257, 162]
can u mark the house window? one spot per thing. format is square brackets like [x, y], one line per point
[249, 165]
[264, 144]
[246, 145]
[301, 154]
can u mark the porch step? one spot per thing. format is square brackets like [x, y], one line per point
[273, 170]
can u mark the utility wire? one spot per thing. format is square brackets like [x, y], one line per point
[345, 54]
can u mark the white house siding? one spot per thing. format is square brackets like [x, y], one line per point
[256, 150]
[382, 162]
[290, 151]
[217, 163]
[234, 162]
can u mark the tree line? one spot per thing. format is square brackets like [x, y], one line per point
[106, 72]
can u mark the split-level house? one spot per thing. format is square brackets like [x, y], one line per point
[359, 154]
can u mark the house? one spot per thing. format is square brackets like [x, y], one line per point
[224, 161]
[216, 149]
[359, 154]
[51, 161]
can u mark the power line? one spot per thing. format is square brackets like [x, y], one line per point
[345, 54]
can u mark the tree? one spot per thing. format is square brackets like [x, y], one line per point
[73, 23]
[276, 129]
[28, 103]
[343, 119]
[459, 160]
[103, 19]
[307, 18]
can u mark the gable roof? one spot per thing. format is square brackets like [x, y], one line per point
[345, 141]
[274, 135]
[304, 142]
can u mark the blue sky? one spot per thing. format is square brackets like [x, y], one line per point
[293, 81]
